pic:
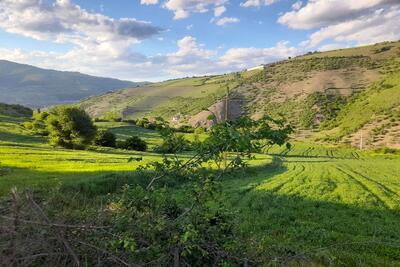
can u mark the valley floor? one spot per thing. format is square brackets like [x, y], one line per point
[328, 205]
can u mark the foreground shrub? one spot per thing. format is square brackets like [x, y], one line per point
[70, 127]
[105, 138]
[133, 143]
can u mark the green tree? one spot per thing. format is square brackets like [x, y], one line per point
[133, 143]
[70, 127]
[105, 138]
[38, 123]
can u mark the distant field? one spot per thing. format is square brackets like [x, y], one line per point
[336, 206]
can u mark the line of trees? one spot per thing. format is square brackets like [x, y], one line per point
[72, 128]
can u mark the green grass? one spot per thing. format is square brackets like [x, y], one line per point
[166, 99]
[382, 97]
[334, 205]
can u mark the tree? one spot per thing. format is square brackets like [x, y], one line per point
[38, 123]
[199, 231]
[70, 127]
[105, 138]
[172, 142]
[133, 143]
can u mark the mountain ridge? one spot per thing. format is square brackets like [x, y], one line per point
[37, 87]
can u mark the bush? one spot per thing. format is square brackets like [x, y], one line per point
[133, 143]
[199, 130]
[105, 138]
[70, 127]
[173, 142]
[38, 123]
[185, 129]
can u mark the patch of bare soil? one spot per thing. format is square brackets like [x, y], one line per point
[378, 133]
[235, 110]
[343, 82]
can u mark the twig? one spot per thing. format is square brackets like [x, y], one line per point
[58, 235]
[56, 224]
[108, 253]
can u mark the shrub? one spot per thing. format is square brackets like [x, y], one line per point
[70, 127]
[112, 116]
[133, 143]
[172, 142]
[185, 129]
[105, 138]
[38, 123]
[199, 130]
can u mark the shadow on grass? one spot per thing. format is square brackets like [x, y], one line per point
[307, 156]
[294, 227]
[19, 138]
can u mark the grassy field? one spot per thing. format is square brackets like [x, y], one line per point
[333, 206]
[337, 205]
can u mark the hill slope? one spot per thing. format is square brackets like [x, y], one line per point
[310, 91]
[36, 87]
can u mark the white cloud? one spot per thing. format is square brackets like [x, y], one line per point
[377, 27]
[149, 2]
[189, 27]
[241, 58]
[190, 58]
[297, 5]
[100, 43]
[343, 22]
[225, 20]
[183, 8]
[320, 13]
[257, 3]
[218, 11]
[64, 22]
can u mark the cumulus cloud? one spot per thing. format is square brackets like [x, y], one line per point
[97, 39]
[240, 58]
[376, 27]
[320, 13]
[257, 3]
[346, 22]
[64, 22]
[183, 8]
[190, 58]
[297, 5]
[225, 20]
[218, 11]
[149, 2]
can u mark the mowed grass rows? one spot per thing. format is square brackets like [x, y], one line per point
[326, 204]
[339, 206]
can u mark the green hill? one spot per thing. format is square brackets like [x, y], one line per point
[36, 87]
[316, 92]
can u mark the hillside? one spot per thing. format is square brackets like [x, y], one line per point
[36, 87]
[309, 90]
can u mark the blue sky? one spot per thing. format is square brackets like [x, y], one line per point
[161, 39]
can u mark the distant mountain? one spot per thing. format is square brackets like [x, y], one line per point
[36, 87]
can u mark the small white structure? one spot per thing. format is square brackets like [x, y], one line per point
[261, 67]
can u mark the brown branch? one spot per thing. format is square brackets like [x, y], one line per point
[59, 236]
[56, 224]
[115, 258]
